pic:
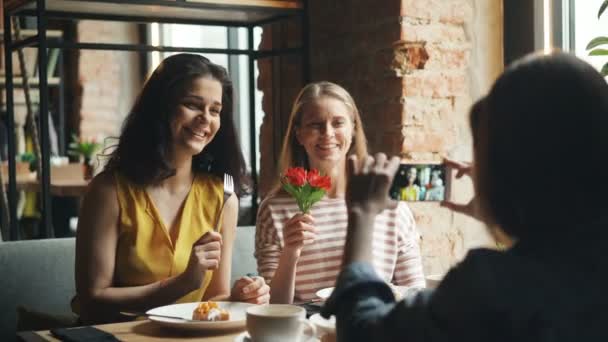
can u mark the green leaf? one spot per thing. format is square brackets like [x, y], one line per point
[27, 157]
[306, 190]
[315, 196]
[595, 42]
[305, 195]
[296, 192]
[599, 52]
[604, 70]
[291, 190]
[602, 8]
[82, 148]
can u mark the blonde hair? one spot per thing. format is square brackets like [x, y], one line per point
[292, 153]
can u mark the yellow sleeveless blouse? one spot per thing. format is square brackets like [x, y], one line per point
[145, 252]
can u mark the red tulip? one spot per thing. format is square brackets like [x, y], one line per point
[307, 187]
[296, 176]
[317, 181]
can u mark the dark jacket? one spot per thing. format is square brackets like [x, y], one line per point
[550, 289]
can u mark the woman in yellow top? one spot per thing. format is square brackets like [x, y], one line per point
[146, 232]
[411, 192]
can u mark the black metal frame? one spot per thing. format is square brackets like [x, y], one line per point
[41, 41]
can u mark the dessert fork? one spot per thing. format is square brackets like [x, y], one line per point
[228, 191]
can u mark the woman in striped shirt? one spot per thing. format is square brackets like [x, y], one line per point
[300, 253]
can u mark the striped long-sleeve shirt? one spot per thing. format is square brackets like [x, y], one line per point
[396, 251]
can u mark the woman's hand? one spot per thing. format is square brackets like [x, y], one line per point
[470, 208]
[369, 182]
[205, 255]
[298, 231]
[367, 194]
[250, 290]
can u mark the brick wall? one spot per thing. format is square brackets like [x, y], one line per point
[280, 80]
[108, 81]
[414, 67]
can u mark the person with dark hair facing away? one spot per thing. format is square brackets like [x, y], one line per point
[550, 285]
[152, 230]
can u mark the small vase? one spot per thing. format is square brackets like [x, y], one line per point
[87, 169]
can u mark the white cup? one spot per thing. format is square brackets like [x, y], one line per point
[277, 323]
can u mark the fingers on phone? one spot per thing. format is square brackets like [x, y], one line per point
[380, 162]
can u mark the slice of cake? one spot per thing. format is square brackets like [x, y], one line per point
[210, 311]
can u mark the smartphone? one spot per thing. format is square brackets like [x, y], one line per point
[86, 333]
[421, 182]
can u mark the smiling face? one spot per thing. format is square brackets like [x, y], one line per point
[326, 132]
[411, 175]
[196, 117]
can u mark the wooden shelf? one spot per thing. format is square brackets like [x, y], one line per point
[235, 11]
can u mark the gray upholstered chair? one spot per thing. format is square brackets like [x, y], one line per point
[39, 275]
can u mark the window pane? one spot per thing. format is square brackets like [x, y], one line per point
[587, 27]
[195, 36]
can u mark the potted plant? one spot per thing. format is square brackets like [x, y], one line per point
[84, 149]
[599, 41]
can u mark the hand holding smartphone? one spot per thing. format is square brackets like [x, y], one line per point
[421, 182]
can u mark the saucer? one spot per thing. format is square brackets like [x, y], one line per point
[324, 325]
[324, 293]
[244, 337]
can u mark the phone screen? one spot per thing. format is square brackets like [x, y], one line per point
[420, 182]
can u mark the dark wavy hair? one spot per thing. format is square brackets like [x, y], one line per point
[543, 115]
[144, 146]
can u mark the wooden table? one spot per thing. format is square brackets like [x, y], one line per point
[61, 187]
[66, 180]
[148, 331]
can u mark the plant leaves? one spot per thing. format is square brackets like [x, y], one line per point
[306, 190]
[604, 70]
[304, 196]
[291, 190]
[84, 148]
[602, 8]
[298, 193]
[599, 52]
[315, 196]
[597, 41]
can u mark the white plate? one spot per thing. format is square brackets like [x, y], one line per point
[237, 316]
[322, 324]
[324, 293]
[244, 337]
